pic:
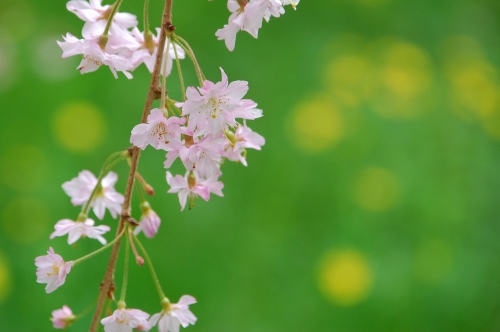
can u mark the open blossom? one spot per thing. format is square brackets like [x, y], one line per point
[174, 315]
[124, 320]
[192, 186]
[158, 131]
[149, 223]
[143, 54]
[93, 56]
[62, 318]
[242, 138]
[52, 270]
[203, 155]
[96, 16]
[81, 187]
[209, 108]
[247, 15]
[77, 229]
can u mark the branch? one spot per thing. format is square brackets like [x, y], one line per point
[135, 153]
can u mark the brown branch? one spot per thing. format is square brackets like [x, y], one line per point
[135, 153]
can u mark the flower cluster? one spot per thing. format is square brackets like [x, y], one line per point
[113, 39]
[248, 15]
[205, 134]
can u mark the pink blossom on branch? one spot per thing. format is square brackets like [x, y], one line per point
[62, 318]
[78, 229]
[158, 132]
[81, 187]
[192, 186]
[52, 270]
[210, 107]
[175, 315]
[149, 223]
[242, 138]
[124, 320]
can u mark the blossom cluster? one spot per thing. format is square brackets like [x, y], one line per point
[206, 133]
[119, 45]
[248, 15]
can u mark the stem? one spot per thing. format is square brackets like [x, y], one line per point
[185, 46]
[146, 16]
[125, 271]
[92, 254]
[151, 269]
[135, 154]
[114, 9]
[164, 76]
[181, 78]
[86, 311]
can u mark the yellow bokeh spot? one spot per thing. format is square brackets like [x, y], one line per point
[79, 127]
[345, 277]
[346, 76]
[402, 85]
[25, 219]
[376, 189]
[23, 167]
[433, 260]
[316, 124]
[5, 278]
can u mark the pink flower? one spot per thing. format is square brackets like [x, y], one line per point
[124, 320]
[157, 132]
[242, 138]
[52, 270]
[193, 186]
[203, 155]
[174, 315]
[96, 16]
[149, 223]
[81, 187]
[77, 229]
[93, 55]
[62, 318]
[141, 53]
[210, 106]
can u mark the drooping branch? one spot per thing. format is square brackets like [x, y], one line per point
[166, 26]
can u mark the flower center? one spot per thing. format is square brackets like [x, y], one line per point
[55, 269]
[160, 130]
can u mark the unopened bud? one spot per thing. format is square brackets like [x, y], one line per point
[139, 260]
[149, 190]
[103, 40]
[148, 41]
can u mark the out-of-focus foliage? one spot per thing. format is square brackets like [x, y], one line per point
[373, 206]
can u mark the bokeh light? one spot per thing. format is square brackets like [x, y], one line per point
[25, 219]
[24, 167]
[79, 127]
[376, 189]
[316, 124]
[345, 277]
[5, 278]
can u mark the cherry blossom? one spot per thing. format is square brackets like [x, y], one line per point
[52, 270]
[142, 53]
[93, 56]
[62, 318]
[78, 229]
[96, 16]
[149, 223]
[81, 187]
[124, 320]
[242, 138]
[192, 186]
[209, 107]
[174, 315]
[158, 131]
[203, 155]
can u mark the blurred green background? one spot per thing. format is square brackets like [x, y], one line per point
[373, 206]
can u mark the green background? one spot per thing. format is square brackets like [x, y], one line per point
[373, 206]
